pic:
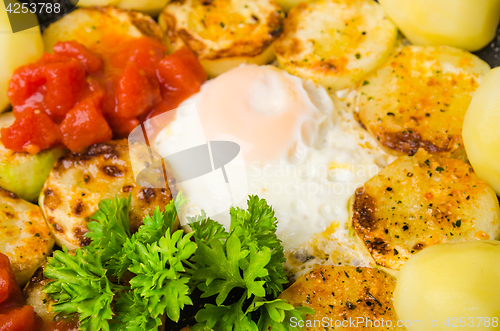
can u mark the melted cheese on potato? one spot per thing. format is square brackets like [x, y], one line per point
[419, 201]
[24, 236]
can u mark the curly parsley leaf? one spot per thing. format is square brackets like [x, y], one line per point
[124, 281]
[250, 257]
[276, 315]
[159, 274]
[110, 228]
[151, 231]
[257, 225]
[85, 283]
[219, 269]
[206, 229]
[81, 286]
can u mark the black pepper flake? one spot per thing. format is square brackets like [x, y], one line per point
[350, 305]
[389, 189]
[371, 296]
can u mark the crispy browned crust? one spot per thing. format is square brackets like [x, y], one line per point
[418, 202]
[244, 41]
[79, 181]
[342, 293]
[146, 25]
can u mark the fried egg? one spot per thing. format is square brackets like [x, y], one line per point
[301, 147]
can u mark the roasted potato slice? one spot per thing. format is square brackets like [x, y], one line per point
[419, 99]
[78, 182]
[24, 236]
[335, 42]
[100, 26]
[419, 201]
[223, 33]
[339, 294]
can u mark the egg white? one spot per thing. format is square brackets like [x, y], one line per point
[308, 179]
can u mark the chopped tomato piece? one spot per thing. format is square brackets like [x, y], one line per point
[122, 126]
[65, 80]
[89, 97]
[10, 292]
[144, 52]
[31, 132]
[91, 61]
[51, 85]
[83, 126]
[20, 319]
[26, 81]
[94, 92]
[135, 93]
[163, 106]
[180, 75]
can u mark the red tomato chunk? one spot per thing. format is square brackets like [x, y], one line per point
[77, 97]
[13, 315]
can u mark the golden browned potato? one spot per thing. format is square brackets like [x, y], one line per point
[419, 201]
[223, 33]
[24, 236]
[335, 42]
[78, 182]
[339, 294]
[419, 99]
[95, 25]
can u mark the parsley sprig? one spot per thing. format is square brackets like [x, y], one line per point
[124, 281]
